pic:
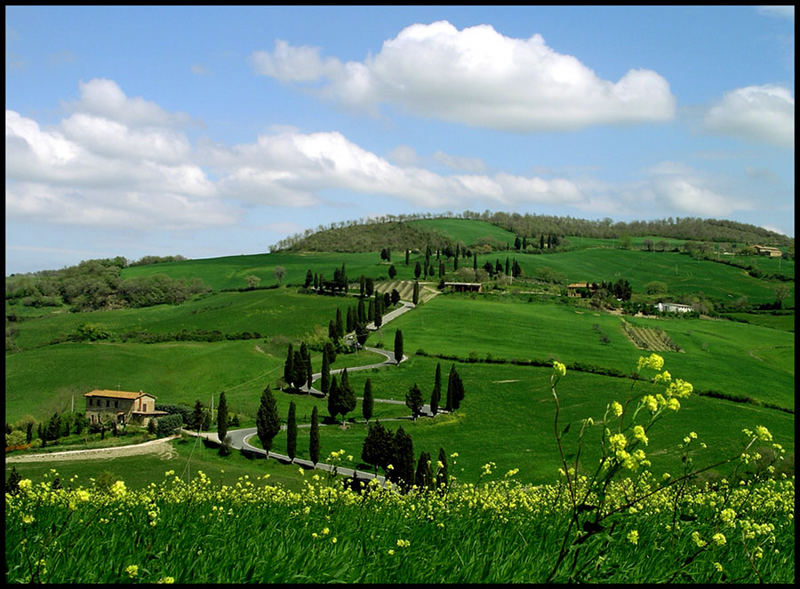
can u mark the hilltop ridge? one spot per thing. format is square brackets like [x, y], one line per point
[409, 231]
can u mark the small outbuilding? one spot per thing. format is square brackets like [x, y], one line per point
[674, 308]
[772, 252]
[464, 286]
[121, 407]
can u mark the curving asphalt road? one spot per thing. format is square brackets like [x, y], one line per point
[239, 437]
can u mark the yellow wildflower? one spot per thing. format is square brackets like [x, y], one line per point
[763, 434]
[638, 433]
[719, 539]
[559, 368]
[650, 402]
[616, 409]
[633, 537]
[132, 570]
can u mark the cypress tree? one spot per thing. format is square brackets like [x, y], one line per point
[351, 321]
[415, 298]
[222, 418]
[367, 402]
[403, 461]
[347, 399]
[333, 334]
[300, 372]
[458, 389]
[417, 270]
[436, 395]
[325, 379]
[309, 372]
[288, 366]
[392, 272]
[407, 253]
[330, 351]
[508, 267]
[291, 432]
[197, 415]
[313, 442]
[398, 346]
[333, 398]
[414, 401]
[309, 279]
[378, 311]
[378, 446]
[371, 311]
[449, 402]
[268, 423]
[362, 285]
[423, 478]
[361, 316]
[339, 323]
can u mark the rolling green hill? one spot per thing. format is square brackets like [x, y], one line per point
[507, 414]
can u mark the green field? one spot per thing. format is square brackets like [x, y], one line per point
[508, 411]
[271, 313]
[467, 231]
[684, 275]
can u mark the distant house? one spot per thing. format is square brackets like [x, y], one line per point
[576, 288]
[674, 308]
[121, 407]
[772, 252]
[464, 286]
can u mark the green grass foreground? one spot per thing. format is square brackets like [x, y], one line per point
[490, 532]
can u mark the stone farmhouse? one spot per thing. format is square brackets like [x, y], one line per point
[464, 286]
[576, 288]
[121, 407]
[772, 252]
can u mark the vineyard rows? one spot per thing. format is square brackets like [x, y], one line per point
[652, 339]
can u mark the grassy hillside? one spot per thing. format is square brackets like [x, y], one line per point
[460, 325]
[270, 313]
[467, 231]
[683, 274]
[507, 416]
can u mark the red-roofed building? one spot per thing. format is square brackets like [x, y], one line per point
[121, 406]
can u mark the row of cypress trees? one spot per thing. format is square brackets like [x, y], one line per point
[394, 453]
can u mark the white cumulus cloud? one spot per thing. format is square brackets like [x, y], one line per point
[755, 113]
[479, 77]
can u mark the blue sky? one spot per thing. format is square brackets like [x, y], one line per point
[211, 131]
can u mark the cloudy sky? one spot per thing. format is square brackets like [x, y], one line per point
[207, 131]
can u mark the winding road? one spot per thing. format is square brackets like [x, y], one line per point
[239, 437]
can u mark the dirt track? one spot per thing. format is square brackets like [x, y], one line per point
[161, 447]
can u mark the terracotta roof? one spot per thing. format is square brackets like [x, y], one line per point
[116, 394]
